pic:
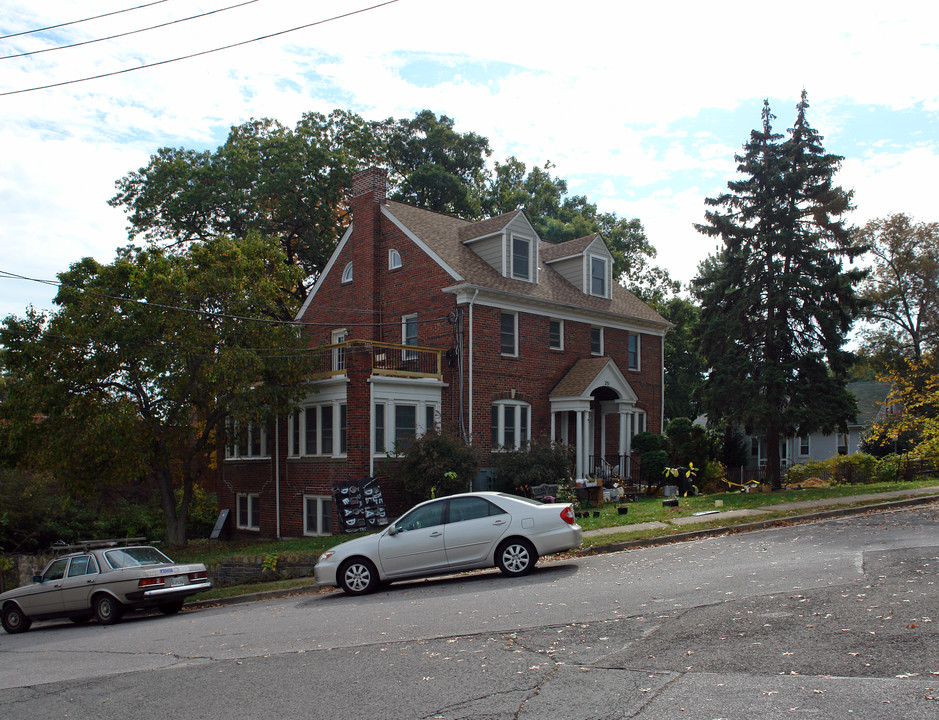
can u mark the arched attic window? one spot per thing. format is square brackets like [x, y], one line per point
[394, 259]
[347, 273]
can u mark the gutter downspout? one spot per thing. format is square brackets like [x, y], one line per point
[471, 365]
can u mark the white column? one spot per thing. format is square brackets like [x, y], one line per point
[580, 462]
[553, 438]
[630, 418]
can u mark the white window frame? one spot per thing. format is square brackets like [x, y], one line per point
[560, 345]
[339, 354]
[252, 508]
[514, 272]
[514, 317]
[387, 408]
[347, 273]
[406, 338]
[520, 410]
[805, 446]
[297, 424]
[324, 515]
[233, 448]
[599, 328]
[394, 259]
[629, 364]
[591, 259]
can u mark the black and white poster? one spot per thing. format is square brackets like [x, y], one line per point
[359, 504]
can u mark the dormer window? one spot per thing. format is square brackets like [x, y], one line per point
[347, 273]
[598, 275]
[521, 258]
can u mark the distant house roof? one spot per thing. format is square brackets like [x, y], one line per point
[446, 237]
[871, 400]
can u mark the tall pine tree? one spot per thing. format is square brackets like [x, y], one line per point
[776, 299]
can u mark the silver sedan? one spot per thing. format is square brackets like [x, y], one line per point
[451, 534]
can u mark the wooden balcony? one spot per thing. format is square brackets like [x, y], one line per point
[381, 358]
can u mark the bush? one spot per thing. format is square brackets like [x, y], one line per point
[647, 442]
[652, 467]
[856, 468]
[798, 474]
[541, 461]
[711, 478]
[435, 465]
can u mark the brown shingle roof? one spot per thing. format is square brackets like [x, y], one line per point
[444, 235]
[579, 377]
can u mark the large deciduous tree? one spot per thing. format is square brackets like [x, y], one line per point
[134, 375]
[902, 290]
[776, 299]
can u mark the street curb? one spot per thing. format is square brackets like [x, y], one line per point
[627, 544]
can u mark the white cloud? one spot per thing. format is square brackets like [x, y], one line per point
[614, 94]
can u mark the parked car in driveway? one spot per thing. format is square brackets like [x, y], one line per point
[102, 584]
[451, 534]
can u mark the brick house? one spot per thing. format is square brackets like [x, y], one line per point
[480, 327]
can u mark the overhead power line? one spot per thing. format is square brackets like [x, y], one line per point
[203, 52]
[76, 22]
[129, 32]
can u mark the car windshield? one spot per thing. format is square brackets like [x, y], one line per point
[135, 556]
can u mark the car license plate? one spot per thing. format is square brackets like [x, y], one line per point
[177, 580]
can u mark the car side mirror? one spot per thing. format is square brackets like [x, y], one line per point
[37, 578]
[392, 530]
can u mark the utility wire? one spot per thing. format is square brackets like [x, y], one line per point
[76, 22]
[6, 275]
[129, 32]
[204, 52]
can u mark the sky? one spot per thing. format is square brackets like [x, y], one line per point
[639, 106]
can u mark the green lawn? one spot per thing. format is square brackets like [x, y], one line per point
[646, 509]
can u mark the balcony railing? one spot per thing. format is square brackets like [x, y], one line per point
[383, 359]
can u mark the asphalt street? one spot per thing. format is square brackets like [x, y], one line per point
[831, 619]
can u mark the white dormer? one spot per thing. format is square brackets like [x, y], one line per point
[508, 243]
[586, 263]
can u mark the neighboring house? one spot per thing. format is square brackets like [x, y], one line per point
[872, 405]
[421, 319]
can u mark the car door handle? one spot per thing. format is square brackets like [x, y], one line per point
[499, 522]
[436, 533]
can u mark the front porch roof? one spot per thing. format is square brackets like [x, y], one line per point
[585, 377]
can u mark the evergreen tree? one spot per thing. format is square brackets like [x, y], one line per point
[776, 300]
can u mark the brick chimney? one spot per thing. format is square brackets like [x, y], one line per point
[369, 192]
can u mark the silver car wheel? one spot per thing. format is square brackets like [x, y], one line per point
[516, 557]
[357, 577]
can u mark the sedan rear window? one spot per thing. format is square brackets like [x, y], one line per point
[133, 557]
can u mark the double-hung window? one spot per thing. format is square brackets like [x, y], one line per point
[247, 440]
[508, 334]
[405, 426]
[317, 515]
[556, 335]
[318, 430]
[598, 279]
[249, 511]
[633, 352]
[521, 258]
[511, 420]
[409, 334]
[596, 341]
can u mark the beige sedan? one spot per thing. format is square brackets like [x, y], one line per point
[102, 584]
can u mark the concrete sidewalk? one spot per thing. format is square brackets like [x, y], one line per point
[809, 506]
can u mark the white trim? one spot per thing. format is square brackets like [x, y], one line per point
[487, 297]
[326, 270]
[320, 515]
